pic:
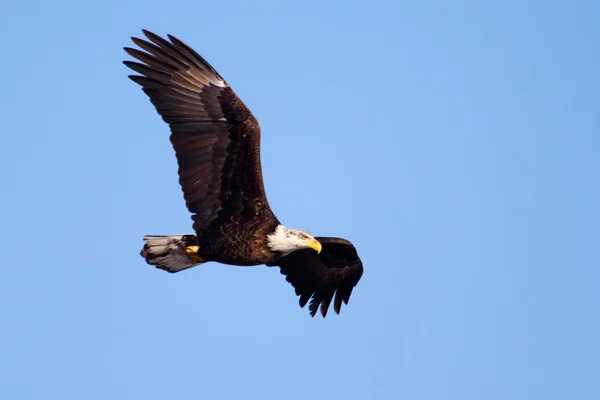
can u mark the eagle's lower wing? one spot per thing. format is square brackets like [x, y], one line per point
[335, 271]
[215, 136]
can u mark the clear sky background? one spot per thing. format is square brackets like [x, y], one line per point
[457, 144]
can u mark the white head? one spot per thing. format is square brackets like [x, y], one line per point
[287, 240]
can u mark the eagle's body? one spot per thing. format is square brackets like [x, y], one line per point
[217, 145]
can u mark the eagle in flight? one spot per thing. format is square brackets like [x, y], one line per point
[217, 145]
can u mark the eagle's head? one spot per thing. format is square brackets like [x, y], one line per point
[286, 240]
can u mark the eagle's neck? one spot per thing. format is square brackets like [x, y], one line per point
[283, 240]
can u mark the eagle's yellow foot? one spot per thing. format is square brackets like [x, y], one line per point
[192, 251]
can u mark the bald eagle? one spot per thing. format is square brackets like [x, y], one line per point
[217, 146]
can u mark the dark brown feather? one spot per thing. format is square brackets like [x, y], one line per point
[217, 145]
[335, 271]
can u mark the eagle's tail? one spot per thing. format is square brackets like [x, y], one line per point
[172, 253]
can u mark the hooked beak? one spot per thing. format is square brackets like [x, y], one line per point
[314, 244]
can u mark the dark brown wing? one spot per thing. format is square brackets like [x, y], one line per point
[335, 271]
[215, 136]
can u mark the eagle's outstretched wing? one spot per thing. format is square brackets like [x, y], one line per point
[215, 136]
[335, 271]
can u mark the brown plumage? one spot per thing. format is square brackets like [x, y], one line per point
[336, 270]
[217, 145]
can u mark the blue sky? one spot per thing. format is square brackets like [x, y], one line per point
[455, 143]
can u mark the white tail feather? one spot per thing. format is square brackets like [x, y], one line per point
[169, 252]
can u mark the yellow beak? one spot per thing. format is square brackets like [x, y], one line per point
[314, 244]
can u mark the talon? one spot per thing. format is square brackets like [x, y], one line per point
[192, 251]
